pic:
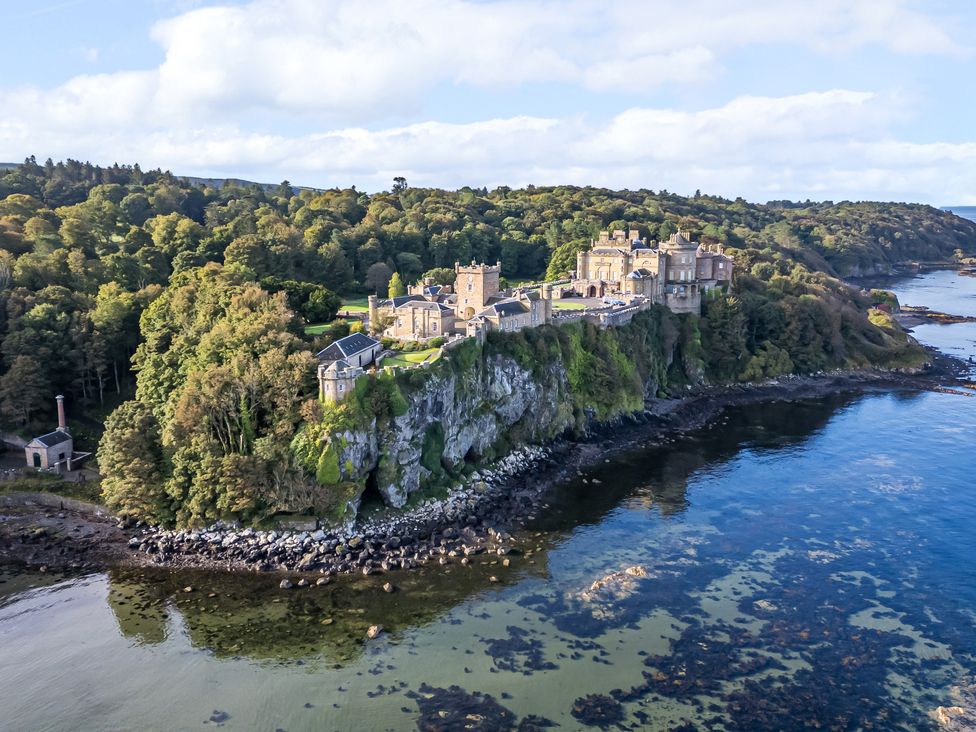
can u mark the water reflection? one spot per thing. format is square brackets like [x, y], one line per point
[248, 615]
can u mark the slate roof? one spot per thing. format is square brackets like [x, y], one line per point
[640, 273]
[505, 308]
[401, 300]
[52, 438]
[346, 347]
[426, 305]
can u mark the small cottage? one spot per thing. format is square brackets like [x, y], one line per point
[53, 450]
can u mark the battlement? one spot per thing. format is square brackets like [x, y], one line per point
[477, 268]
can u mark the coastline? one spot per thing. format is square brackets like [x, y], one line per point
[474, 522]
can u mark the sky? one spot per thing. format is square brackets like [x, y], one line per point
[764, 99]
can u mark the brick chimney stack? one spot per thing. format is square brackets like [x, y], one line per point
[61, 423]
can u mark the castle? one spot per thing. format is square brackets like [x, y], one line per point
[474, 305]
[621, 272]
[673, 273]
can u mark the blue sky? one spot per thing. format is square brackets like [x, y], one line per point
[835, 99]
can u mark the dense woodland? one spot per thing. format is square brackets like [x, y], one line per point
[203, 292]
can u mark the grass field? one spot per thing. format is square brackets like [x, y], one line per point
[568, 304]
[404, 358]
[357, 305]
[317, 329]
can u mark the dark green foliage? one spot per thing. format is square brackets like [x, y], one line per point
[433, 449]
[723, 338]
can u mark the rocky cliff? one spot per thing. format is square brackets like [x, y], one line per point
[406, 430]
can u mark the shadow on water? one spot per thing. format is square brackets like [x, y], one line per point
[657, 475]
[248, 615]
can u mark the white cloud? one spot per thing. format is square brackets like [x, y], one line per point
[328, 77]
[833, 144]
[339, 62]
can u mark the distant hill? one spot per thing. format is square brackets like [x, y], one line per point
[966, 212]
[212, 182]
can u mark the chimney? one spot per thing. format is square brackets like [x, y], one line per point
[61, 424]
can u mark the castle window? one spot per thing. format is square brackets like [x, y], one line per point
[470, 287]
[342, 387]
[433, 327]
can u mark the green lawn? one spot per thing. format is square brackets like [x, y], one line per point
[317, 329]
[568, 304]
[357, 305]
[404, 358]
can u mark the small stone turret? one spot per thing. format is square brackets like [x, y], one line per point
[337, 380]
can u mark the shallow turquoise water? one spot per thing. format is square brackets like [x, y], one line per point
[808, 565]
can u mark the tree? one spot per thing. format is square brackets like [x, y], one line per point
[440, 275]
[378, 277]
[23, 389]
[130, 460]
[396, 287]
[564, 259]
[399, 184]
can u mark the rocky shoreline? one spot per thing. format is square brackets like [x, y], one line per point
[475, 522]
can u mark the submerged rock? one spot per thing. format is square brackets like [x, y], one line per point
[597, 710]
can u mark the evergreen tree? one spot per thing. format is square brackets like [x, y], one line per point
[396, 287]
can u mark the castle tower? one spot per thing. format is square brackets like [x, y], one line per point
[337, 380]
[374, 314]
[474, 284]
[547, 302]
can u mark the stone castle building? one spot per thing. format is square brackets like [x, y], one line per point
[474, 304]
[672, 273]
[620, 265]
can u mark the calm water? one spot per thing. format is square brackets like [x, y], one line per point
[808, 565]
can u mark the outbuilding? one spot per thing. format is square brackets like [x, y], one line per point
[356, 349]
[53, 450]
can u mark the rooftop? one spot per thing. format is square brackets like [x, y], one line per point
[346, 347]
[51, 438]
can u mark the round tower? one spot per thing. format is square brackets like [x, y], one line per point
[374, 314]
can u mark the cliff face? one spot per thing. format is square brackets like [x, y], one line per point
[480, 402]
[455, 419]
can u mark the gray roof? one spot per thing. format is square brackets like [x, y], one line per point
[337, 366]
[426, 305]
[506, 308]
[52, 438]
[640, 273]
[348, 346]
[608, 250]
[401, 300]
